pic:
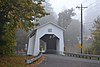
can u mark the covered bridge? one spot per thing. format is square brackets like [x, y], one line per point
[47, 37]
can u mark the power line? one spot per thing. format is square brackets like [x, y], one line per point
[92, 5]
[91, 8]
[85, 1]
[96, 5]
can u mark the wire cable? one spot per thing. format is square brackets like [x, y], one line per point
[92, 7]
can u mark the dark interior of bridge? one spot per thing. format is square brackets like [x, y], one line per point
[51, 42]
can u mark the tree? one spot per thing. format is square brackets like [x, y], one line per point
[65, 17]
[49, 18]
[71, 35]
[72, 27]
[96, 37]
[20, 12]
[17, 14]
[21, 39]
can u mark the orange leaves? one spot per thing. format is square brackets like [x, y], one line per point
[18, 61]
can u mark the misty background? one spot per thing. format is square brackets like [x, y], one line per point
[68, 17]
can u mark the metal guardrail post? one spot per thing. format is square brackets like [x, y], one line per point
[87, 56]
[29, 61]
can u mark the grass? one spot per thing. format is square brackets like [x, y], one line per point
[18, 61]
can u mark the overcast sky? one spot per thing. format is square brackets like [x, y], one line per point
[59, 5]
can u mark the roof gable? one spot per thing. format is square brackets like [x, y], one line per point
[52, 24]
[34, 31]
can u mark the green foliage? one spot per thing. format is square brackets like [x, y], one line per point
[9, 47]
[13, 15]
[96, 35]
[20, 12]
[3, 20]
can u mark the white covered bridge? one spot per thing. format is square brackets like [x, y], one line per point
[47, 37]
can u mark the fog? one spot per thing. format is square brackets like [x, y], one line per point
[91, 13]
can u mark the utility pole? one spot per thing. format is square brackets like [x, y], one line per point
[81, 7]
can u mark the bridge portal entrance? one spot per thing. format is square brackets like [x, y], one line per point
[49, 43]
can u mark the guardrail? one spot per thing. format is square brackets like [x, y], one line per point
[87, 56]
[29, 61]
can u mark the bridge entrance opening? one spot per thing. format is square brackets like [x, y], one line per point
[49, 43]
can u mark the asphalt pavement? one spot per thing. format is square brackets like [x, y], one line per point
[64, 61]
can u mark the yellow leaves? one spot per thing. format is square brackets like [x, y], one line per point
[80, 46]
[25, 25]
[28, 16]
[96, 32]
[20, 25]
[23, 10]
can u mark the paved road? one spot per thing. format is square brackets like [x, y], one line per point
[62, 61]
